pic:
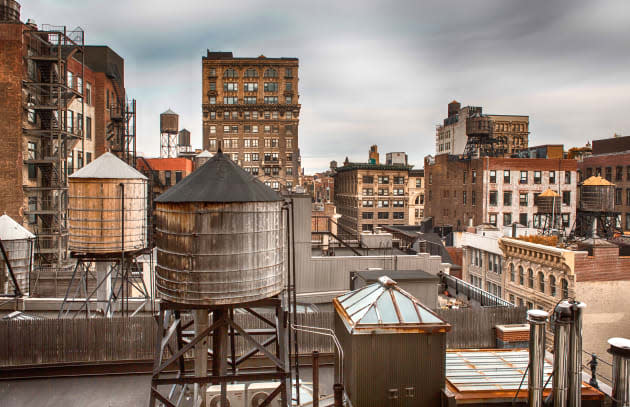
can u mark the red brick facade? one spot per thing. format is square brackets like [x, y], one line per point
[604, 265]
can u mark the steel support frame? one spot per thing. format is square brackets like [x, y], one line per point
[123, 281]
[173, 342]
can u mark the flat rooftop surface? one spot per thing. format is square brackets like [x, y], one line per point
[105, 391]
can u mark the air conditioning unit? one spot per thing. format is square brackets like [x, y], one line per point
[258, 392]
[235, 396]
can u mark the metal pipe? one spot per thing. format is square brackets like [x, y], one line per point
[537, 320]
[575, 355]
[563, 317]
[315, 378]
[620, 349]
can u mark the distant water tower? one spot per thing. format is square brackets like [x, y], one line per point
[169, 132]
[183, 143]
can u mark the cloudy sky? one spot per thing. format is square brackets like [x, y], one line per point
[377, 72]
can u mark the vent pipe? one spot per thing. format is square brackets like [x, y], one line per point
[514, 230]
[537, 320]
[562, 318]
[620, 350]
[575, 355]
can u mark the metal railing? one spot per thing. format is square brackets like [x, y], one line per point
[473, 293]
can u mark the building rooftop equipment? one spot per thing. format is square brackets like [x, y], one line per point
[384, 307]
[220, 180]
[488, 376]
[11, 230]
[597, 181]
[108, 166]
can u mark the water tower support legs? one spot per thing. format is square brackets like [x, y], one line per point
[104, 281]
[201, 355]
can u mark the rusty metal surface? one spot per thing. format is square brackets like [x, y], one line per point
[219, 253]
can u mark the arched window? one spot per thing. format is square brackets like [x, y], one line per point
[271, 73]
[565, 288]
[251, 73]
[521, 275]
[541, 281]
[230, 73]
[530, 278]
[512, 276]
[552, 285]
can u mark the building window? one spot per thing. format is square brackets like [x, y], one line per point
[288, 100]
[399, 180]
[249, 100]
[522, 219]
[288, 72]
[609, 174]
[250, 87]
[368, 179]
[271, 73]
[507, 198]
[367, 215]
[213, 100]
[368, 203]
[552, 286]
[230, 87]
[618, 196]
[537, 177]
[566, 218]
[32, 207]
[506, 176]
[383, 215]
[383, 203]
[383, 179]
[178, 176]
[418, 182]
[399, 215]
[473, 198]
[565, 288]
[627, 221]
[230, 100]
[566, 197]
[523, 179]
[398, 192]
[398, 204]
[250, 73]
[493, 198]
[167, 177]
[230, 73]
[474, 176]
[493, 177]
[628, 196]
[492, 219]
[255, 170]
[522, 198]
[530, 278]
[271, 100]
[567, 177]
[32, 155]
[212, 144]
[507, 219]
[521, 275]
[512, 274]
[271, 86]
[367, 227]
[463, 197]
[88, 128]
[88, 158]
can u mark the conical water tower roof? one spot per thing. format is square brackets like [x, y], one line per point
[203, 154]
[169, 111]
[220, 180]
[108, 166]
[549, 193]
[11, 230]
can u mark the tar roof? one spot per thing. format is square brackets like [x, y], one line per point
[108, 166]
[384, 307]
[219, 180]
[11, 230]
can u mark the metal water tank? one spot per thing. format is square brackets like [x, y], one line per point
[18, 244]
[184, 138]
[96, 215]
[169, 122]
[220, 237]
[9, 11]
[597, 195]
[548, 202]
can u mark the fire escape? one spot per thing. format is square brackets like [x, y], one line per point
[121, 130]
[47, 97]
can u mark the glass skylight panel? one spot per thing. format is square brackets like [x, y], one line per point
[365, 301]
[370, 317]
[360, 295]
[407, 308]
[427, 317]
[386, 309]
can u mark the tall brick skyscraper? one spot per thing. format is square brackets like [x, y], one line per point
[251, 110]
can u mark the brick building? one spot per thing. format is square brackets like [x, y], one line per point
[593, 271]
[320, 186]
[611, 159]
[511, 131]
[498, 191]
[251, 110]
[370, 195]
[415, 187]
[58, 99]
[164, 172]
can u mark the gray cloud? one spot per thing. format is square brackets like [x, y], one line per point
[378, 71]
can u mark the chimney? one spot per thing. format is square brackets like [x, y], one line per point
[537, 320]
[373, 156]
[575, 355]
[620, 350]
[562, 318]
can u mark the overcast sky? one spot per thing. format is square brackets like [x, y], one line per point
[377, 72]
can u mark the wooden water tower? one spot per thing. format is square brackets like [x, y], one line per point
[596, 215]
[548, 208]
[16, 257]
[107, 222]
[220, 236]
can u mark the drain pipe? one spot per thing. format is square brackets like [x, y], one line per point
[537, 320]
[575, 355]
[562, 318]
[620, 350]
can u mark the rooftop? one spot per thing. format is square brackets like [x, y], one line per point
[367, 166]
[228, 55]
